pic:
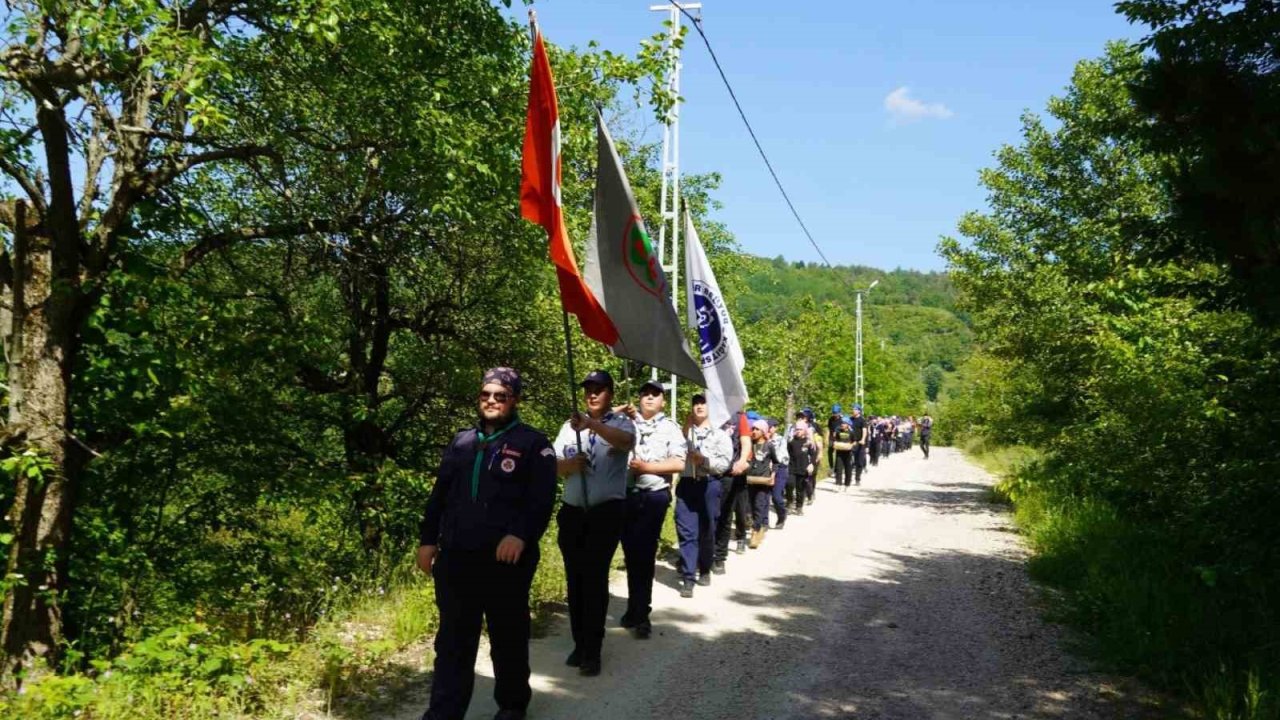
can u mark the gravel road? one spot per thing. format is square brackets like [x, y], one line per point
[904, 599]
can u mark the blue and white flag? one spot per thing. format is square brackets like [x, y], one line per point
[721, 353]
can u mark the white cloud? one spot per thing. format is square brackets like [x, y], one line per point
[905, 109]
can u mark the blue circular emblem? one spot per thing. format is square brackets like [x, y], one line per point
[711, 328]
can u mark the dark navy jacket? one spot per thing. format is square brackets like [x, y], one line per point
[515, 496]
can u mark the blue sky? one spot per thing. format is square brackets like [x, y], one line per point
[877, 172]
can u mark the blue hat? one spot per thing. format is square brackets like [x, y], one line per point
[846, 419]
[835, 409]
[858, 408]
[598, 377]
[752, 415]
[504, 376]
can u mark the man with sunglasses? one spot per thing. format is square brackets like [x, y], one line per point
[492, 501]
[592, 451]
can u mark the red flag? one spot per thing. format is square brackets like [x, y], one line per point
[540, 197]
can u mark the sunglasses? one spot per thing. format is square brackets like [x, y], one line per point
[498, 396]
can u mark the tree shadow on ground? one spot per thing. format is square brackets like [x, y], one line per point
[970, 498]
[935, 635]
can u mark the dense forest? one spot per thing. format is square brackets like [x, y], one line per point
[1122, 289]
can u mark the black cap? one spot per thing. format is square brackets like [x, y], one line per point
[598, 377]
[698, 399]
[651, 385]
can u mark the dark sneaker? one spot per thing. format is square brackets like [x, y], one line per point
[686, 588]
[590, 668]
[781, 524]
[741, 548]
[574, 659]
[627, 621]
[642, 632]
[509, 715]
[718, 567]
[705, 578]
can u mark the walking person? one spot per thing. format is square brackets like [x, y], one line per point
[760, 480]
[658, 454]
[858, 426]
[733, 492]
[709, 456]
[926, 433]
[819, 447]
[592, 450]
[842, 442]
[491, 504]
[781, 473]
[803, 455]
[873, 441]
[833, 424]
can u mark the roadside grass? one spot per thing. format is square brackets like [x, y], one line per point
[1144, 604]
[365, 656]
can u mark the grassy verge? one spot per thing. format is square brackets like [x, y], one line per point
[1142, 601]
[357, 662]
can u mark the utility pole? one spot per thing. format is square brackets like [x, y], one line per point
[669, 203]
[858, 393]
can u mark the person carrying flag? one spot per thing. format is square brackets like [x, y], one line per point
[592, 455]
[710, 453]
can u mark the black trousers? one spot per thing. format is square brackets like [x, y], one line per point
[799, 490]
[924, 444]
[733, 504]
[588, 539]
[844, 467]
[641, 532]
[472, 586]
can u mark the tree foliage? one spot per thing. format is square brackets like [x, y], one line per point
[1112, 344]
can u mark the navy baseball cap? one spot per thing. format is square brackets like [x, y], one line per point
[698, 399]
[504, 376]
[653, 385]
[598, 377]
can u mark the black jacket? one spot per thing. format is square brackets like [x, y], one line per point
[802, 453]
[515, 495]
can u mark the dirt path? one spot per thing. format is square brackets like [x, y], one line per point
[904, 599]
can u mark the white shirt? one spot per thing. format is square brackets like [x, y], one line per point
[657, 439]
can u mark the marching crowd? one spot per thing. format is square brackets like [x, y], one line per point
[496, 491]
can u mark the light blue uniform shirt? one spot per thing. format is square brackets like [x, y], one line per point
[606, 470]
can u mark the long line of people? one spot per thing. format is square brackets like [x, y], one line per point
[495, 493]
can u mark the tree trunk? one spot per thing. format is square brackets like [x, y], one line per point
[41, 347]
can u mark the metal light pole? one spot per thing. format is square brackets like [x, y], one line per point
[669, 203]
[858, 393]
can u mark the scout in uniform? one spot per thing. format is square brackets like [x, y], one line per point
[592, 450]
[658, 454]
[491, 503]
[710, 453]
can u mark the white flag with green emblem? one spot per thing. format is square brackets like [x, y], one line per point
[624, 272]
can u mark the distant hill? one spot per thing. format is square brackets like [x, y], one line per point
[913, 311]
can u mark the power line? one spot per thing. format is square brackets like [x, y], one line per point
[697, 25]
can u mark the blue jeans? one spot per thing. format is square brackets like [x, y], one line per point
[697, 510]
[781, 476]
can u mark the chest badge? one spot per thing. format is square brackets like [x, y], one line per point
[508, 465]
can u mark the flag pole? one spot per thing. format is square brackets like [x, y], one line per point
[568, 334]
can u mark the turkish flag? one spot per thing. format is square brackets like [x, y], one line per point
[540, 197]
